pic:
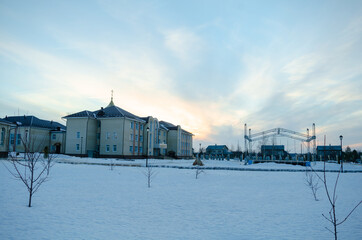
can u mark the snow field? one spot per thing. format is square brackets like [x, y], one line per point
[93, 202]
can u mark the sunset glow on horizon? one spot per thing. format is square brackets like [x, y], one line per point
[209, 66]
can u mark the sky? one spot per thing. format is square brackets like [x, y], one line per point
[209, 66]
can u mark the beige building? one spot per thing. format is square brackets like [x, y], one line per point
[5, 127]
[114, 132]
[35, 133]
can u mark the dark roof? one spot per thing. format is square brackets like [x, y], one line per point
[272, 147]
[6, 122]
[31, 121]
[329, 148]
[168, 125]
[216, 147]
[114, 111]
[84, 113]
[145, 119]
[108, 112]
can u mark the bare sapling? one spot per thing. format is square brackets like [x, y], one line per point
[198, 172]
[111, 165]
[32, 169]
[312, 182]
[332, 198]
[150, 173]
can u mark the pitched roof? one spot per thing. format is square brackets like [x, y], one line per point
[272, 147]
[329, 148]
[114, 111]
[6, 122]
[33, 121]
[108, 112]
[216, 147]
[168, 125]
[84, 113]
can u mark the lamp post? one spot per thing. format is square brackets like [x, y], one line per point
[81, 146]
[147, 129]
[341, 138]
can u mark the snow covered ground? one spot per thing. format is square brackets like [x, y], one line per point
[94, 202]
[207, 163]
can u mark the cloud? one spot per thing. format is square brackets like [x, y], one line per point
[184, 44]
[299, 68]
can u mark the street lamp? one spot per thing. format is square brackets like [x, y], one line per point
[147, 129]
[341, 138]
[81, 146]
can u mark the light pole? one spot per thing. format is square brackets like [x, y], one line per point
[81, 146]
[147, 129]
[200, 151]
[341, 138]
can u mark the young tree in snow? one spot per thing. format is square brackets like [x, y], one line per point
[332, 198]
[149, 173]
[198, 172]
[198, 163]
[33, 169]
[312, 182]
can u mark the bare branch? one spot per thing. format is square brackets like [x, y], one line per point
[349, 214]
[327, 218]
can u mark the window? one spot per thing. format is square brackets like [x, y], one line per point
[114, 135]
[78, 134]
[141, 138]
[164, 134]
[2, 137]
[18, 139]
[12, 138]
[141, 150]
[114, 148]
[107, 135]
[136, 137]
[54, 136]
[136, 126]
[107, 148]
[150, 139]
[77, 147]
[131, 137]
[131, 125]
[141, 126]
[131, 149]
[135, 149]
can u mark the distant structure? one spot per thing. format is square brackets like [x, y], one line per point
[217, 150]
[19, 130]
[115, 132]
[249, 138]
[273, 151]
[329, 152]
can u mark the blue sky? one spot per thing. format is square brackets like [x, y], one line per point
[209, 66]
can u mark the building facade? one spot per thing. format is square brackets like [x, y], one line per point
[114, 132]
[5, 127]
[217, 150]
[33, 134]
[329, 152]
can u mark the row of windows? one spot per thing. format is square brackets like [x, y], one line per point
[18, 139]
[136, 126]
[185, 152]
[136, 149]
[135, 137]
[114, 148]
